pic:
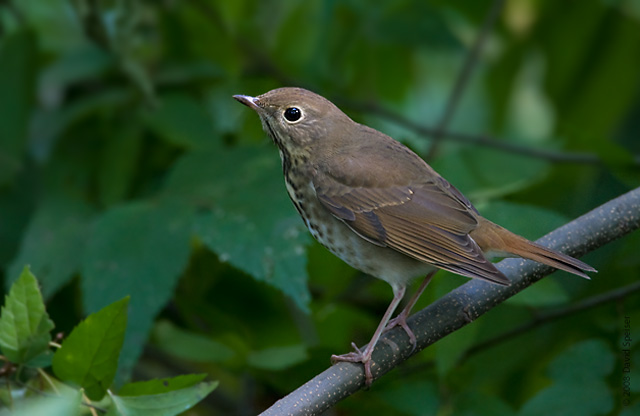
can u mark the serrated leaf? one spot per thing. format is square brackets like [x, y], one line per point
[188, 345]
[245, 215]
[89, 355]
[158, 386]
[54, 242]
[24, 322]
[165, 404]
[138, 249]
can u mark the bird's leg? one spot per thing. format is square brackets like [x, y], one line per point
[364, 357]
[401, 319]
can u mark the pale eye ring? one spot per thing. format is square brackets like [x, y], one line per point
[292, 114]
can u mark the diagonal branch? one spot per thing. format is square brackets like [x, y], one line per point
[602, 225]
[463, 77]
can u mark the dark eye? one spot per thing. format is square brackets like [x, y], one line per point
[292, 114]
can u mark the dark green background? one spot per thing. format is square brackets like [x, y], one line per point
[126, 168]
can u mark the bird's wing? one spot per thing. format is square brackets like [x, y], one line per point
[411, 209]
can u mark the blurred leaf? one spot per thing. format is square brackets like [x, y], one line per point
[24, 323]
[182, 121]
[579, 388]
[67, 404]
[189, 346]
[569, 399]
[245, 215]
[452, 347]
[119, 163]
[165, 404]
[476, 403]
[546, 292]
[17, 85]
[138, 249]
[88, 357]
[571, 364]
[86, 62]
[157, 386]
[485, 174]
[277, 358]
[54, 242]
[412, 398]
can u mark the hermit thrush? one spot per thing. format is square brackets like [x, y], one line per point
[375, 204]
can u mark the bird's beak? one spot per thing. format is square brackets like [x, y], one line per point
[251, 102]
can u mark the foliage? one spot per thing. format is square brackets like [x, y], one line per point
[126, 169]
[86, 360]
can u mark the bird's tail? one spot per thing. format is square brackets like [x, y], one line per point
[494, 239]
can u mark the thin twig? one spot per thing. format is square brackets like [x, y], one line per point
[465, 73]
[542, 319]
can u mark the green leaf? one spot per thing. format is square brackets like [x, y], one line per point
[158, 386]
[579, 388]
[54, 242]
[585, 360]
[24, 322]
[546, 292]
[17, 87]
[181, 120]
[188, 345]
[412, 398]
[452, 347]
[89, 355]
[244, 214]
[571, 399]
[138, 249]
[278, 358]
[165, 404]
[67, 404]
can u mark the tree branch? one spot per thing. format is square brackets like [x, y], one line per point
[463, 77]
[602, 225]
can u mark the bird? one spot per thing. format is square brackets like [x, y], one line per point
[379, 207]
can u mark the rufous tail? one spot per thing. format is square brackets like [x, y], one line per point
[494, 239]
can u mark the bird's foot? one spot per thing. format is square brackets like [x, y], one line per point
[358, 356]
[401, 321]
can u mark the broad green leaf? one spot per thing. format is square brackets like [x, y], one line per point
[189, 345]
[163, 385]
[546, 292]
[181, 120]
[24, 322]
[164, 404]
[412, 398]
[571, 398]
[17, 88]
[137, 249]
[244, 214]
[67, 404]
[278, 358]
[482, 173]
[89, 355]
[54, 242]
[451, 348]
[579, 387]
[585, 360]
[119, 163]
[475, 403]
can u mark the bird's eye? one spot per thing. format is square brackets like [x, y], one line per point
[292, 114]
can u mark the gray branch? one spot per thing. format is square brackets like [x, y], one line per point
[463, 305]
